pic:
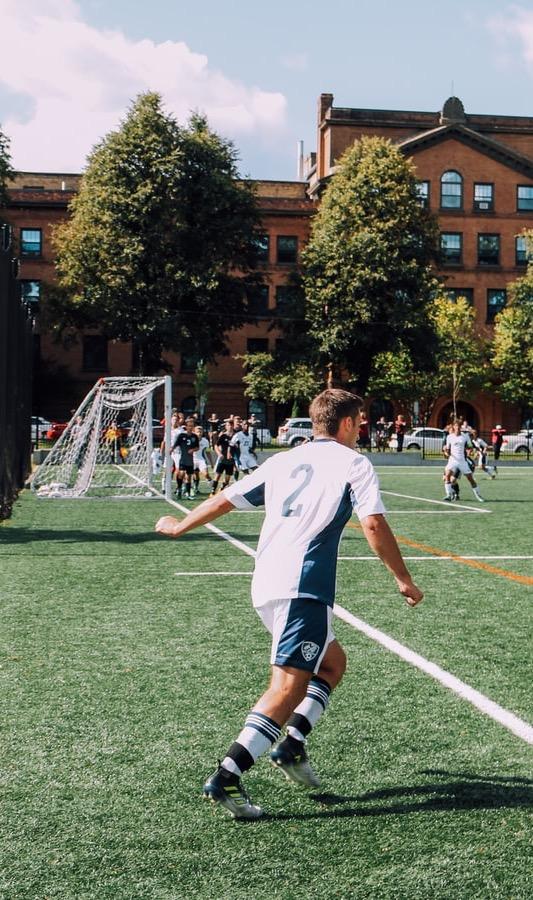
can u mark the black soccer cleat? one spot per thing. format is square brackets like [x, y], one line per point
[225, 788]
[294, 764]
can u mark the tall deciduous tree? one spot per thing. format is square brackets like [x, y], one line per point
[6, 171]
[296, 383]
[461, 366]
[512, 349]
[158, 230]
[367, 268]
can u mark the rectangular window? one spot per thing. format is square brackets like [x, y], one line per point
[287, 247]
[521, 251]
[451, 247]
[95, 353]
[423, 193]
[483, 197]
[257, 345]
[30, 241]
[262, 245]
[258, 301]
[488, 249]
[495, 302]
[467, 293]
[30, 291]
[284, 295]
[524, 197]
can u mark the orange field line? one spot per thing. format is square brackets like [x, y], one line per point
[473, 563]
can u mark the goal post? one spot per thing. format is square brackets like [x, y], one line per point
[111, 446]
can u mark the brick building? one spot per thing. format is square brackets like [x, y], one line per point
[476, 174]
[39, 201]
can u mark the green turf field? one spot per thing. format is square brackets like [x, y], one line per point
[122, 682]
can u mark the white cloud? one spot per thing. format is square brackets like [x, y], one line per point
[514, 25]
[80, 82]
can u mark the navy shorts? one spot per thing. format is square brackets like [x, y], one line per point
[301, 631]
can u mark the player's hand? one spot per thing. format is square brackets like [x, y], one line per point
[411, 592]
[167, 525]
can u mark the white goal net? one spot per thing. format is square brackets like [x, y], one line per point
[110, 447]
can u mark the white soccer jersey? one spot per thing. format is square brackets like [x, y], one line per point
[198, 456]
[309, 494]
[245, 443]
[457, 444]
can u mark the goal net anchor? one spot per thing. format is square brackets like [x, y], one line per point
[109, 449]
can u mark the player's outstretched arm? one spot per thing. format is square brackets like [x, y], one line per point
[382, 541]
[206, 512]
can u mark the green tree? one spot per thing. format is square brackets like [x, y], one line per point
[296, 383]
[461, 367]
[512, 348]
[157, 231]
[6, 171]
[367, 268]
[201, 382]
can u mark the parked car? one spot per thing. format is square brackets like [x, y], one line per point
[55, 430]
[39, 428]
[518, 443]
[431, 439]
[264, 436]
[294, 432]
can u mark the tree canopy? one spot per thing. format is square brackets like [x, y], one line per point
[367, 268]
[157, 231]
[512, 348]
[6, 171]
[461, 366]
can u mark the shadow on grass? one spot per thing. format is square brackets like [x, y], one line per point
[457, 791]
[21, 535]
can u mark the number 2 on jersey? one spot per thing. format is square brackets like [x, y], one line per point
[287, 509]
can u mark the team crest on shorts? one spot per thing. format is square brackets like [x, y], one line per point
[309, 650]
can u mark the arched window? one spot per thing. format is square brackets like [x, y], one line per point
[451, 191]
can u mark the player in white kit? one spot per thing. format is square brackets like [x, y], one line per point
[457, 443]
[309, 493]
[243, 440]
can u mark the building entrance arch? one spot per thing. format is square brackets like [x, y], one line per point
[464, 411]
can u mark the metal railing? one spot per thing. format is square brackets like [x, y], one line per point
[15, 379]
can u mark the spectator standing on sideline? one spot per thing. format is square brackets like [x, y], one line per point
[496, 437]
[308, 494]
[364, 433]
[382, 431]
[400, 427]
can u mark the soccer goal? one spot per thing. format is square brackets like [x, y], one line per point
[110, 447]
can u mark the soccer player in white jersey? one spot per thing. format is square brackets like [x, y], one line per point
[309, 493]
[199, 459]
[457, 443]
[243, 440]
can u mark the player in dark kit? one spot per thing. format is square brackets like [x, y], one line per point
[186, 444]
[225, 464]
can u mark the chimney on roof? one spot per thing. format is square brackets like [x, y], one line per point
[325, 102]
[452, 111]
[300, 161]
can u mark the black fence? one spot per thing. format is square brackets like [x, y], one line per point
[15, 379]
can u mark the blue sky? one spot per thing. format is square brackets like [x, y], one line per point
[70, 67]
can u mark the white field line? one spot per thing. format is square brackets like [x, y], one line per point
[488, 707]
[435, 558]
[446, 503]
[429, 512]
[203, 574]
